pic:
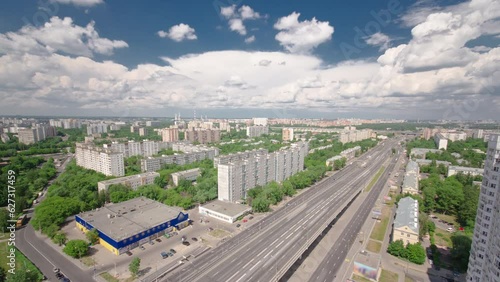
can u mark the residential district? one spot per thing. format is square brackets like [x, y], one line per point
[257, 199]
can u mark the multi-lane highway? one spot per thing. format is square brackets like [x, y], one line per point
[265, 251]
[327, 269]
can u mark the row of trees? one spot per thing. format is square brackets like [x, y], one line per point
[455, 195]
[32, 174]
[413, 252]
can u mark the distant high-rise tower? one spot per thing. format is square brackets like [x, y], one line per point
[484, 260]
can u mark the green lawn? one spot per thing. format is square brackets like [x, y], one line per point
[22, 262]
[378, 231]
[373, 246]
[374, 179]
[447, 218]
[358, 278]
[388, 276]
[442, 237]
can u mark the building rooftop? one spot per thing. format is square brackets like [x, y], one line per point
[125, 178]
[412, 167]
[428, 162]
[226, 208]
[186, 172]
[125, 219]
[466, 169]
[407, 214]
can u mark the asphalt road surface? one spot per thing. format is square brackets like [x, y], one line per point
[328, 268]
[267, 249]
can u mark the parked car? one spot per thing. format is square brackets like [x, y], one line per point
[238, 225]
[210, 229]
[173, 251]
[142, 248]
[194, 239]
[56, 270]
[59, 275]
[158, 240]
[170, 254]
[129, 253]
[250, 217]
[167, 235]
[164, 255]
[245, 220]
[450, 229]
[186, 243]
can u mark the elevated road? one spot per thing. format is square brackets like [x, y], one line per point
[266, 251]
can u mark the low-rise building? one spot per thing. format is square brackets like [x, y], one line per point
[225, 211]
[405, 225]
[410, 180]
[419, 153]
[130, 224]
[132, 181]
[190, 174]
[452, 170]
[422, 162]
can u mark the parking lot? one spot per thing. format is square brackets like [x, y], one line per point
[203, 232]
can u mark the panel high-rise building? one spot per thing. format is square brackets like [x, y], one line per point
[484, 260]
[103, 160]
[257, 130]
[236, 177]
[170, 134]
[202, 136]
[37, 133]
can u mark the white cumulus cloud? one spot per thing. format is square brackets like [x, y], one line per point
[302, 37]
[179, 33]
[379, 39]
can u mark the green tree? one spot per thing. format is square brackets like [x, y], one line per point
[92, 236]
[76, 248]
[260, 204]
[4, 216]
[25, 276]
[460, 250]
[397, 248]
[415, 253]
[134, 266]
[60, 238]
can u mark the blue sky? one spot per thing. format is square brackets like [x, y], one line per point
[394, 58]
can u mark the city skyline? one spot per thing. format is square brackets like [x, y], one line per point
[390, 59]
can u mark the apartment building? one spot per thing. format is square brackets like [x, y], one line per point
[94, 128]
[452, 170]
[287, 134]
[35, 134]
[190, 155]
[405, 225]
[132, 181]
[225, 159]
[143, 131]
[66, 123]
[355, 135]
[257, 130]
[202, 136]
[441, 141]
[103, 160]
[170, 134]
[237, 177]
[484, 260]
[190, 174]
[224, 126]
[145, 148]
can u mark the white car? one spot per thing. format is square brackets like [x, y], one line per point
[450, 229]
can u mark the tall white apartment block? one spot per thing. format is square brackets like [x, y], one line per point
[149, 148]
[484, 260]
[441, 141]
[93, 128]
[102, 160]
[257, 130]
[236, 177]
